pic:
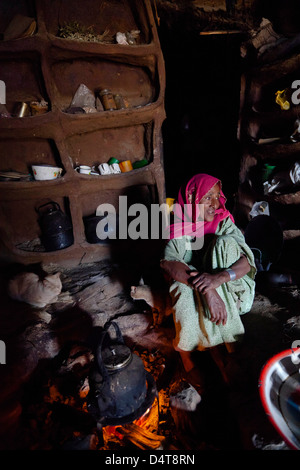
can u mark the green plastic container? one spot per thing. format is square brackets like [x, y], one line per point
[113, 160]
[139, 164]
[267, 171]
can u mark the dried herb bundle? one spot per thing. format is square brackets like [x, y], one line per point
[75, 30]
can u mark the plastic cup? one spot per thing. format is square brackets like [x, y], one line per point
[126, 166]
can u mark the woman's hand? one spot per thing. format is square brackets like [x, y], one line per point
[176, 270]
[204, 282]
[216, 306]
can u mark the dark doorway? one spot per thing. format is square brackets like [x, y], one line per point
[202, 106]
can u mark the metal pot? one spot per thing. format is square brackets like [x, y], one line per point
[91, 223]
[57, 231]
[118, 383]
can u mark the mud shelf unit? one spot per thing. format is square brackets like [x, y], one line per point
[45, 66]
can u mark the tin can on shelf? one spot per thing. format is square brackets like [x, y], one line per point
[22, 110]
[120, 102]
[107, 99]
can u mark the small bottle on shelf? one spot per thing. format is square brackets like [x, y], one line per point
[107, 100]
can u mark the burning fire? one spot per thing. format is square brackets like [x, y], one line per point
[142, 432]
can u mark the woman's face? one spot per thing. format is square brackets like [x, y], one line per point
[210, 203]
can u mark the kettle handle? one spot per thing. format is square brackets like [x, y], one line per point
[47, 204]
[120, 339]
[110, 323]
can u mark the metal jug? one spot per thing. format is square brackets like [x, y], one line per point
[118, 383]
[57, 231]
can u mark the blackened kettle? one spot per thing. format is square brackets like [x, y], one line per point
[118, 383]
[56, 227]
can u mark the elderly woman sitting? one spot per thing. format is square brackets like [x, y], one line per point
[211, 272]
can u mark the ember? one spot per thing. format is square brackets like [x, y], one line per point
[141, 432]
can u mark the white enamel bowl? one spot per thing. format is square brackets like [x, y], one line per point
[279, 388]
[46, 172]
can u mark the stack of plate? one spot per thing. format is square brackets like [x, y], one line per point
[14, 175]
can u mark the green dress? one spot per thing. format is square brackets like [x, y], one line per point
[194, 330]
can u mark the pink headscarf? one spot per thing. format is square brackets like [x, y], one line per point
[186, 208]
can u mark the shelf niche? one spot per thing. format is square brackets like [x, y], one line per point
[98, 17]
[24, 81]
[138, 194]
[22, 227]
[133, 82]
[132, 143]
[19, 154]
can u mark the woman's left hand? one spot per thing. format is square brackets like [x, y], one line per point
[205, 282]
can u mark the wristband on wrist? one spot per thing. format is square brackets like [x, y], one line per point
[231, 274]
